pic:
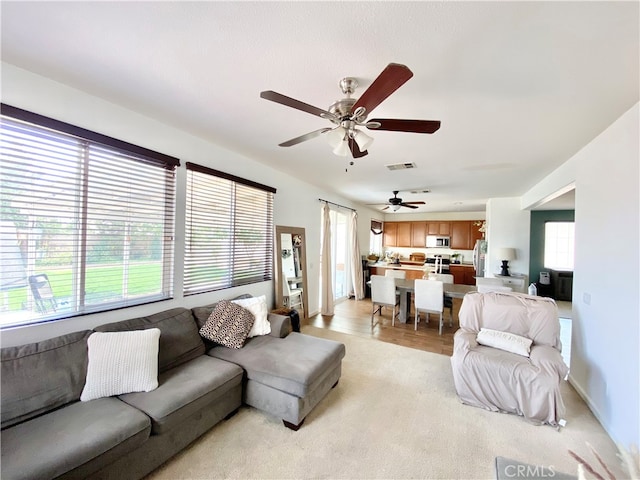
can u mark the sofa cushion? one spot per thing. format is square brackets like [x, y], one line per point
[184, 390]
[179, 338]
[258, 307]
[42, 376]
[202, 314]
[121, 362]
[291, 364]
[228, 325]
[55, 443]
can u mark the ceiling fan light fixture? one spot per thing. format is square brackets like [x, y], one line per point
[362, 139]
[336, 136]
[395, 208]
[342, 150]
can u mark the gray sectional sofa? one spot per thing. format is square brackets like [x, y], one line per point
[48, 433]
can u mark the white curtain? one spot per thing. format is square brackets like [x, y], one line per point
[327, 287]
[354, 257]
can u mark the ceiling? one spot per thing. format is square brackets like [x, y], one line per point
[518, 86]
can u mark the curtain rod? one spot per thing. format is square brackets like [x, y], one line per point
[338, 205]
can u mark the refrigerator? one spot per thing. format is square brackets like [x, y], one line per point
[480, 257]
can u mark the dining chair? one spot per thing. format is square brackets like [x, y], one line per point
[448, 301]
[395, 273]
[383, 294]
[428, 298]
[292, 296]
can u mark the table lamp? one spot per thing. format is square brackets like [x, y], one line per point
[506, 254]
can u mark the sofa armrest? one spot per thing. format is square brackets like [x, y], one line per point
[549, 359]
[464, 340]
[280, 325]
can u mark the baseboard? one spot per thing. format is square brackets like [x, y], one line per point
[596, 413]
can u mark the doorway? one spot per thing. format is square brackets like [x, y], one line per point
[340, 265]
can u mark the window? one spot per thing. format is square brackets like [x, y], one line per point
[87, 221]
[375, 237]
[228, 231]
[558, 245]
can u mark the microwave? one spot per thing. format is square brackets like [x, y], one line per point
[436, 241]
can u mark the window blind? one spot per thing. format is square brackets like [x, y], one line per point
[228, 231]
[86, 226]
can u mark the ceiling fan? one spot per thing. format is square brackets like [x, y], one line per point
[395, 203]
[349, 113]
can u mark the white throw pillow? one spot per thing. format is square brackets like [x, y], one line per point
[257, 306]
[121, 362]
[509, 342]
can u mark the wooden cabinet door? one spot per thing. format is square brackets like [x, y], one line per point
[476, 234]
[419, 234]
[458, 273]
[461, 235]
[403, 238]
[390, 234]
[439, 228]
[414, 274]
[469, 276]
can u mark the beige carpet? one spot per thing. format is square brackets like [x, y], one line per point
[394, 414]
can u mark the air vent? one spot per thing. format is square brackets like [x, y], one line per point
[401, 166]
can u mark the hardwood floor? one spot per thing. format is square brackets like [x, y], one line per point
[354, 318]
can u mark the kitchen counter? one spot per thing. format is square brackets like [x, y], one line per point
[413, 271]
[398, 266]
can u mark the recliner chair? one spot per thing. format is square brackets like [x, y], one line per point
[499, 380]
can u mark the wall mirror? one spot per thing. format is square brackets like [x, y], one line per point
[291, 269]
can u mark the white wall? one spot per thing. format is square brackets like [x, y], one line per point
[605, 358]
[507, 226]
[296, 203]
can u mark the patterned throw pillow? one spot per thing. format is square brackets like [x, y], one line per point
[229, 324]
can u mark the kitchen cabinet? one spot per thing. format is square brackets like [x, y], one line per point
[403, 238]
[439, 228]
[399, 234]
[463, 274]
[461, 235]
[390, 234]
[476, 234]
[419, 234]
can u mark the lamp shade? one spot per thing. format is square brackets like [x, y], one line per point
[362, 139]
[506, 254]
[342, 149]
[336, 136]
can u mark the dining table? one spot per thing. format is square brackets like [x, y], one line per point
[406, 287]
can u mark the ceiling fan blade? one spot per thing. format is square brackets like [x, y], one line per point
[398, 125]
[419, 202]
[407, 205]
[391, 78]
[355, 150]
[303, 138]
[293, 103]
[384, 208]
